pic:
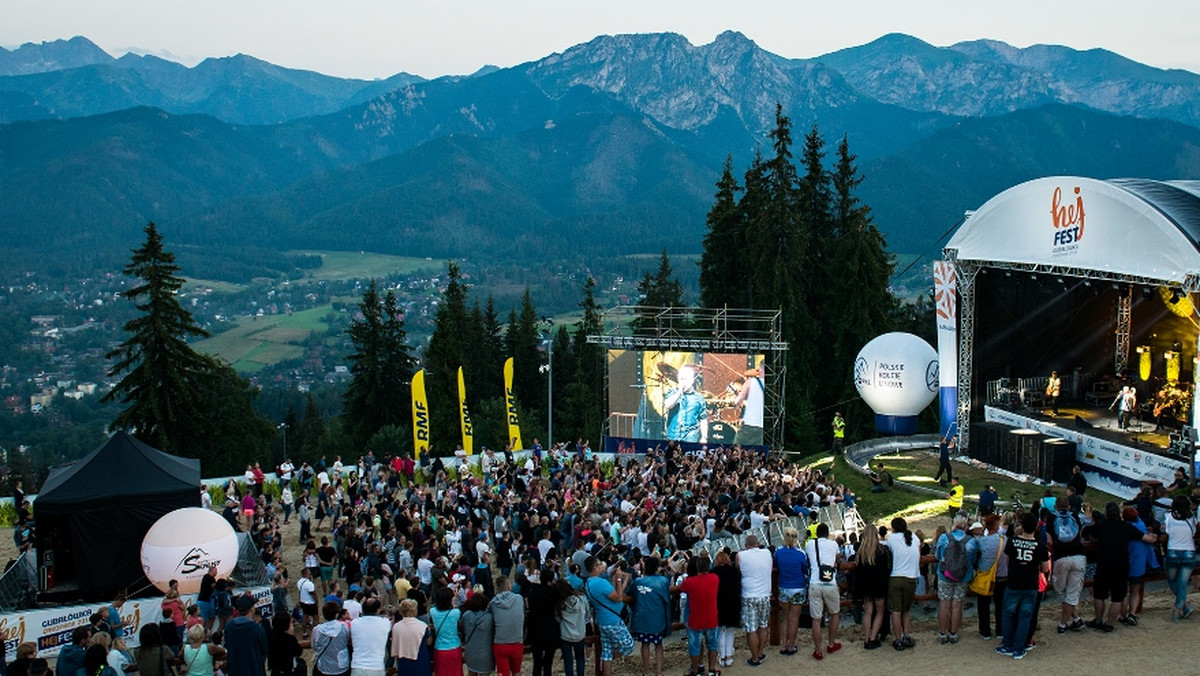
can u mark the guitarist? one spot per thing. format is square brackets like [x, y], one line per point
[1053, 388]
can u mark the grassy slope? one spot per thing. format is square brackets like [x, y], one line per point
[919, 468]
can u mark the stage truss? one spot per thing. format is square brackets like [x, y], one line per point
[692, 329]
[967, 272]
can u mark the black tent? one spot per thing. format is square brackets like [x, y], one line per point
[92, 515]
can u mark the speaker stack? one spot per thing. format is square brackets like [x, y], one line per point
[1058, 457]
[987, 439]
[1023, 451]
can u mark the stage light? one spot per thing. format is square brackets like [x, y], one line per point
[1143, 362]
[1172, 366]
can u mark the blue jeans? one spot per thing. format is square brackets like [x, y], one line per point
[573, 658]
[1018, 610]
[1179, 565]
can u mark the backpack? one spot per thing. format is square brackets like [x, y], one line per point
[1066, 527]
[954, 561]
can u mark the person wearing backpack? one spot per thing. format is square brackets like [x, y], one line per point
[957, 554]
[1069, 562]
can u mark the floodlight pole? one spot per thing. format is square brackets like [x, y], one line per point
[549, 338]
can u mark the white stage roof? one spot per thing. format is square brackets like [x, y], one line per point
[1120, 227]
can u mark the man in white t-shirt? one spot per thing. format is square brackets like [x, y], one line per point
[369, 636]
[824, 557]
[902, 585]
[307, 590]
[353, 606]
[755, 564]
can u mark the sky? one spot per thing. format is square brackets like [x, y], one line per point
[378, 38]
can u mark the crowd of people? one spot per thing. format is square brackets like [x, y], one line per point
[419, 569]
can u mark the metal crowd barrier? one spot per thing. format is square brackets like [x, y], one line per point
[836, 516]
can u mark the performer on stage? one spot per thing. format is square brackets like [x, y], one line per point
[1125, 403]
[1053, 387]
[753, 396]
[687, 418]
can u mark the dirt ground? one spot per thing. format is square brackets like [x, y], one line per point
[1156, 645]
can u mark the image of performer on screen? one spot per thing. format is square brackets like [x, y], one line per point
[687, 412]
[753, 397]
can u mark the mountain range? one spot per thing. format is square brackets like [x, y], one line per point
[610, 147]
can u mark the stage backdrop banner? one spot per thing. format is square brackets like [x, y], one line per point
[945, 296]
[510, 404]
[468, 431]
[1125, 464]
[420, 406]
[51, 628]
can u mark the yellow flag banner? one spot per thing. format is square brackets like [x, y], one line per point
[468, 433]
[420, 415]
[510, 403]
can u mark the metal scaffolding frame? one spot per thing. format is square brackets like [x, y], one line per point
[694, 329]
[966, 274]
[1124, 319]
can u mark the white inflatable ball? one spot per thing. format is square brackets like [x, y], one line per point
[897, 375]
[182, 545]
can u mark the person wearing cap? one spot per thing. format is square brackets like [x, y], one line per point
[245, 640]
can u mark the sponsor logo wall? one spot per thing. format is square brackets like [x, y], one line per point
[1131, 465]
[51, 628]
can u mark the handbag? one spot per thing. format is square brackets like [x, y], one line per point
[984, 582]
[825, 573]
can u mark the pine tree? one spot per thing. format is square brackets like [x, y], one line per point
[311, 429]
[380, 368]
[449, 348]
[660, 290]
[178, 400]
[864, 306]
[523, 343]
[752, 212]
[722, 264]
[163, 376]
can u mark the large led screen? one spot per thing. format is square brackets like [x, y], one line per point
[691, 397]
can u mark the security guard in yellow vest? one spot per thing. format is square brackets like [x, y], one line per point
[839, 432]
[955, 497]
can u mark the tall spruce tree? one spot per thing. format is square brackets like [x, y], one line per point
[660, 290]
[864, 306]
[523, 342]
[380, 368]
[722, 267]
[312, 428]
[176, 399]
[161, 385]
[449, 347]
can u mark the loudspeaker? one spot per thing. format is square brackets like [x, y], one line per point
[1030, 461]
[1058, 458]
[1081, 424]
